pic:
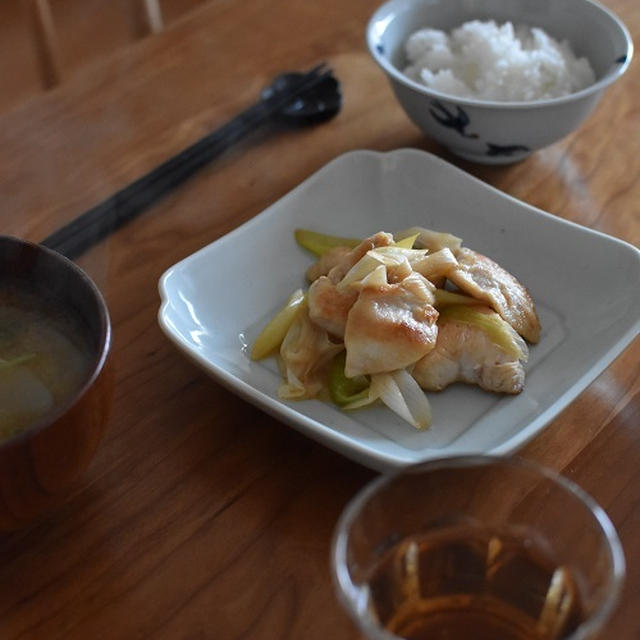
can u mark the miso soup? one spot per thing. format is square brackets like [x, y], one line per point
[44, 357]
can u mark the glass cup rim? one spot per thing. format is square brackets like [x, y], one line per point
[348, 592]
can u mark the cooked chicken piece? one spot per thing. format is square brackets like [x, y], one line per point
[326, 262]
[390, 326]
[305, 352]
[486, 280]
[328, 306]
[337, 261]
[380, 239]
[465, 353]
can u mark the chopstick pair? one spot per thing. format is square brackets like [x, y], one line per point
[90, 227]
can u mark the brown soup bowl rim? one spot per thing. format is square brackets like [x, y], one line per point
[99, 357]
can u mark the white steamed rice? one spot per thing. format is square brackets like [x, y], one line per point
[496, 62]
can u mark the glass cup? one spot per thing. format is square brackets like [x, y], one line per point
[480, 547]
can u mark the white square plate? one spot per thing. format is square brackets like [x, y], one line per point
[585, 285]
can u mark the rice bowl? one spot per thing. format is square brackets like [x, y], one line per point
[493, 131]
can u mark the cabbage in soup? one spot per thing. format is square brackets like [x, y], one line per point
[44, 358]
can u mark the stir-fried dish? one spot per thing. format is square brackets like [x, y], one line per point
[389, 317]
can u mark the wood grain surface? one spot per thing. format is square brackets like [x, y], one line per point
[202, 517]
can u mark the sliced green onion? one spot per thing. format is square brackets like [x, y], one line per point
[500, 331]
[271, 337]
[446, 298]
[436, 264]
[343, 390]
[8, 364]
[402, 394]
[321, 243]
[407, 243]
[360, 270]
[394, 254]
[432, 240]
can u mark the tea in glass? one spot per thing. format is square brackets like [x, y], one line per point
[480, 548]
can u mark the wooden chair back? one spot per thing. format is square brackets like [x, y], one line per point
[145, 16]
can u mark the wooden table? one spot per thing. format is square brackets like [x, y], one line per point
[202, 517]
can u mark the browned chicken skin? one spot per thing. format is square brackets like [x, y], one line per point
[482, 278]
[329, 307]
[390, 327]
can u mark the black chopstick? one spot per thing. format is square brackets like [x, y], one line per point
[92, 226]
